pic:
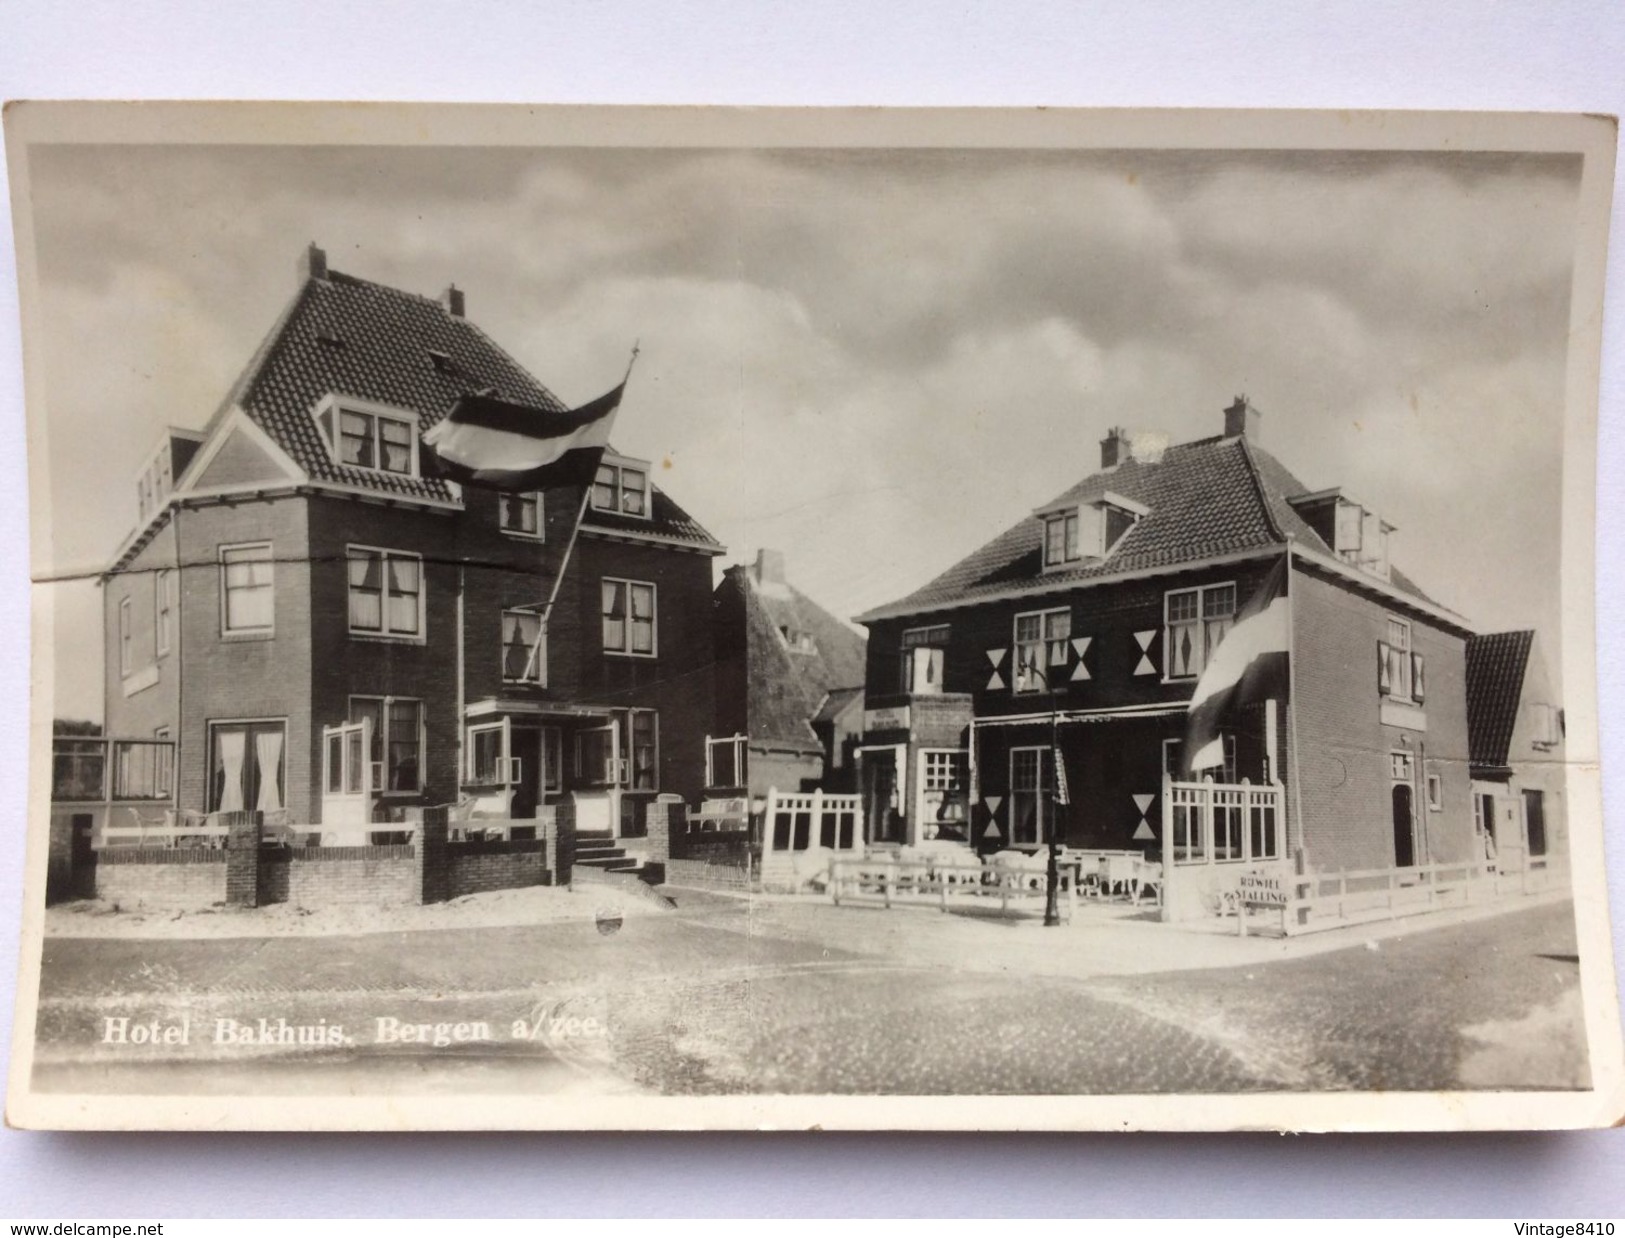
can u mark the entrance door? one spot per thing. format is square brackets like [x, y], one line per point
[1534, 817]
[882, 795]
[347, 774]
[1404, 827]
[599, 772]
[526, 746]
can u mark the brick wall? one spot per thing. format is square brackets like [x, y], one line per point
[679, 682]
[157, 705]
[327, 876]
[479, 867]
[191, 879]
[1346, 784]
[236, 678]
[343, 665]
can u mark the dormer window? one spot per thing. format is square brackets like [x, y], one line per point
[622, 487]
[1076, 532]
[1356, 534]
[370, 436]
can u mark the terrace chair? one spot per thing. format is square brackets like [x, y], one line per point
[1149, 877]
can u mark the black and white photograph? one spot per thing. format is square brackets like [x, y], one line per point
[621, 618]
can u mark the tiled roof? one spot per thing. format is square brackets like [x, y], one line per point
[666, 519]
[1496, 664]
[1207, 498]
[836, 703]
[786, 686]
[348, 336]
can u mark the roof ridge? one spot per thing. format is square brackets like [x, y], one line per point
[1253, 472]
[346, 278]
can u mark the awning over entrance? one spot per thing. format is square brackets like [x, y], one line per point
[1063, 716]
[498, 707]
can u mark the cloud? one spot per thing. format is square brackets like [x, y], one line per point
[877, 360]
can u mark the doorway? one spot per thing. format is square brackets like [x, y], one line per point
[882, 795]
[1404, 826]
[1534, 819]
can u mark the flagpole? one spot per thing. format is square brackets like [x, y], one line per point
[1292, 696]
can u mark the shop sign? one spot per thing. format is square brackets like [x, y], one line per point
[894, 719]
[1258, 888]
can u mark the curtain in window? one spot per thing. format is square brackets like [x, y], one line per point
[396, 439]
[614, 616]
[230, 747]
[403, 594]
[366, 592]
[355, 439]
[643, 619]
[268, 752]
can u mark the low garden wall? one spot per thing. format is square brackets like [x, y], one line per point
[247, 872]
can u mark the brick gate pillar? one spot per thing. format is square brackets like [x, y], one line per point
[559, 844]
[429, 857]
[242, 858]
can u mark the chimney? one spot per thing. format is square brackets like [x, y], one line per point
[1242, 420]
[452, 299]
[313, 263]
[1115, 448]
[769, 567]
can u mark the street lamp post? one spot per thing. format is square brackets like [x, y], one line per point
[1052, 873]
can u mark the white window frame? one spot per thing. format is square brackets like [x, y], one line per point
[126, 638]
[626, 650]
[538, 656]
[629, 754]
[506, 770]
[1202, 620]
[532, 496]
[164, 764]
[741, 749]
[1396, 625]
[381, 772]
[1045, 791]
[215, 725]
[1069, 523]
[329, 421]
[1049, 646]
[162, 611]
[352, 553]
[618, 467]
[226, 629]
[1435, 792]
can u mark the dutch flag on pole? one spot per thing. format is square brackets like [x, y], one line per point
[485, 441]
[1249, 666]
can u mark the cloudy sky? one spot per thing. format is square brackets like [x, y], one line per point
[873, 361]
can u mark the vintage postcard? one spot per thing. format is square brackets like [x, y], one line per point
[676, 619]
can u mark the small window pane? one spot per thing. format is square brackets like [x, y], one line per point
[396, 450]
[603, 489]
[632, 491]
[355, 440]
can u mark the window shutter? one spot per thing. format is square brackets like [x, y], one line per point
[1417, 692]
[1384, 681]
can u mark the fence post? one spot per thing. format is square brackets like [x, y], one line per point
[559, 845]
[242, 858]
[429, 858]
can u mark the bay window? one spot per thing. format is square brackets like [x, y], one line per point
[397, 740]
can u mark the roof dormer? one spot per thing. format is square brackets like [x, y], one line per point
[622, 487]
[167, 462]
[1356, 534]
[1082, 530]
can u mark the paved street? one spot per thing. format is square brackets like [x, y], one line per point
[720, 995]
